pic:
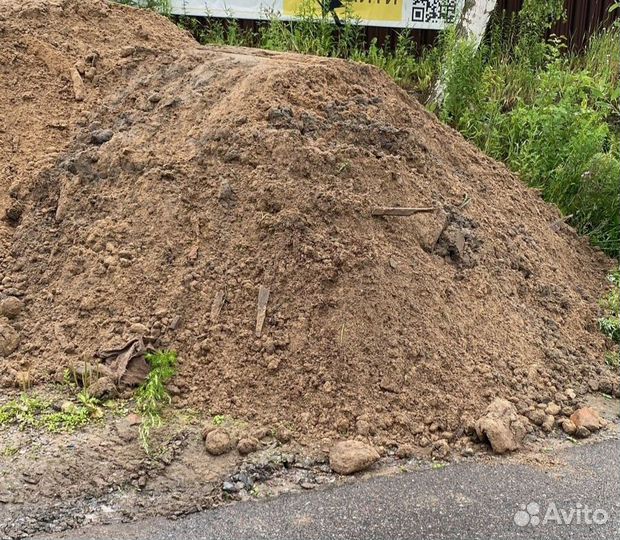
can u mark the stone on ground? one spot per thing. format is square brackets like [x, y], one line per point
[348, 457]
[501, 426]
[588, 418]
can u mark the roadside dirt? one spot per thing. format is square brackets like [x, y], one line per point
[166, 175]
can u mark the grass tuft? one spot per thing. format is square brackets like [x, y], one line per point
[610, 324]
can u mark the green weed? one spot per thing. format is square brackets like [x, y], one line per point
[551, 115]
[612, 359]
[9, 451]
[32, 412]
[218, 419]
[152, 396]
[610, 324]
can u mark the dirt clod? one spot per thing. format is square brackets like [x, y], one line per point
[568, 426]
[10, 307]
[440, 449]
[247, 445]
[348, 457]
[103, 387]
[217, 442]
[101, 136]
[553, 409]
[548, 423]
[9, 339]
[582, 432]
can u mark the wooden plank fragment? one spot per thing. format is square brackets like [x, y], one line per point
[263, 297]
[216, 307]
[78, 85]
[398, 211]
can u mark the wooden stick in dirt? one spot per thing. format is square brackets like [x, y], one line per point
[263, 297]
[216, 307]
[78, 85]
[396, 211]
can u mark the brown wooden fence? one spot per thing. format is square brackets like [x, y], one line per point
[582, 18]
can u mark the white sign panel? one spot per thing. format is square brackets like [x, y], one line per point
[431, 14]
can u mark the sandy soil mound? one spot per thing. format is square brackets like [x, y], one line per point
[186, 172]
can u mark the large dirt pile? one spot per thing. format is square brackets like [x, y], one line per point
[187, 172]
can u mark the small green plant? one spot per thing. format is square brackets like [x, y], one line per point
[152, 396]
[9, 451]
[32, 412]
[23, 412]
[610, 324]
[218, 419]
[612, 359]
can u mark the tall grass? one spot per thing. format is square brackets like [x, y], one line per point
[315, 33]
[553, 116]
[162, 6]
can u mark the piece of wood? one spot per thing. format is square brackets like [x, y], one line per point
[263, 297]
[216, 307]
[78, 85]
[555, 226]
[396, 211]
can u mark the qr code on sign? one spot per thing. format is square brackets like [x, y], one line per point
[434, 11]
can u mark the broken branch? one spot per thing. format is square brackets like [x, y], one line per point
[395, 211]
[263, 297]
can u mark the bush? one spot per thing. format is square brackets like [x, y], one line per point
[551, 116]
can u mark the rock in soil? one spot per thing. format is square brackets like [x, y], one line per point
[103, 387]
[568, 426]
[588, 418]
[501, 426]
[9, 339]
[348, 457]
[553, 409]
[582, 432]
[217, 442]
[440, 449]
[537, 416]
[101, 136]
[548, 423]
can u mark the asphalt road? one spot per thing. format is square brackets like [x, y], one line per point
[470, 500]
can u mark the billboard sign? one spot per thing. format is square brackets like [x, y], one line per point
[429, 14]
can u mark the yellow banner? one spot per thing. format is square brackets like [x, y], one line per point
[368, 10]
